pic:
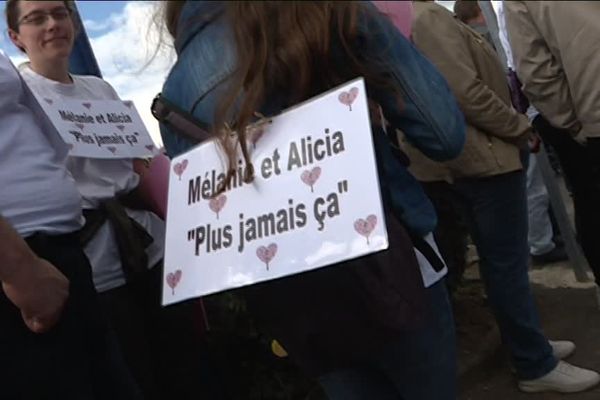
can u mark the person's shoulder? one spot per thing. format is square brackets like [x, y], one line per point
[430, 11]
[432, 22]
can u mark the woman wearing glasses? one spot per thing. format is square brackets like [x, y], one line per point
[125, 244]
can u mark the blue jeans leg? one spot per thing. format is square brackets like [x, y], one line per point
[358, 383]
[422, 364]
[419, 365]
[497, 209]
[540, 227]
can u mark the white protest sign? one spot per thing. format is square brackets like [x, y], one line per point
[99, 128]
[315, 201]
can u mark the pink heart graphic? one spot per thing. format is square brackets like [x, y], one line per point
[173, 280]
[266, 254]
[180, 167]
[87, 105]
[365, 227]
[311, 177]
[121, 127]
[150, 147]
[80, 126]
[112, 149]
[217, 204]
[348, 98]
[128, 104]
[49, 101]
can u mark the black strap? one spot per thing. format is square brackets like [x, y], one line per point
[131, 237]
[45, 240]
[180, 121]
[428, 252]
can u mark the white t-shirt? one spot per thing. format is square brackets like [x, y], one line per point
[37, 193]
[101, 179]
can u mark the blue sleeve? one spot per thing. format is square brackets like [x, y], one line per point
[428, 115]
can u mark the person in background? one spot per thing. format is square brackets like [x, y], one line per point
[556, 50]
[357, 331]
[490, 178]
[451, 234]
[56, 343]
[124, 242]
[541, 235]
[469, 12]
[544, 247]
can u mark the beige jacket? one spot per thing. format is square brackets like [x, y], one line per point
[421, 167]
[470, 65]
[556, 49]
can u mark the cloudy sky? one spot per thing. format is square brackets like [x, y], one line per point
[124, 41]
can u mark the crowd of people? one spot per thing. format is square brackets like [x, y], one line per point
[456, 116]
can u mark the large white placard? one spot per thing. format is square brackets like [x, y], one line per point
[315, 201]
[99, 128]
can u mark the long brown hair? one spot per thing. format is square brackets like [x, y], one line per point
[285, 47]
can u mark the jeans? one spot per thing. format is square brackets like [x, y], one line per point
[419, 365]
[497, 215]
[581, 166]
[540, 226]
[451, 233]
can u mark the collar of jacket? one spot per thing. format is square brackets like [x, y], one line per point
[195, 16]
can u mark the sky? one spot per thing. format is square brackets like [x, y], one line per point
[124, 41]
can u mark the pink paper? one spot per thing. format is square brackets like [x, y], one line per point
[400, 12]
[154, 185]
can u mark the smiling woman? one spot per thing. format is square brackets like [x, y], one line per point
[46, 32]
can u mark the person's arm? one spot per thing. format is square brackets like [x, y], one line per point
[34, 285]
[438, 35]
[427, 113]
[541, 74]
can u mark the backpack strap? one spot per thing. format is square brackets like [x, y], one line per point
[181, 122]
[428, 252]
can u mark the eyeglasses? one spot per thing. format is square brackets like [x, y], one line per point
[39, 18]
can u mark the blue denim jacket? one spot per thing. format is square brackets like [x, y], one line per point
[430, 117]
